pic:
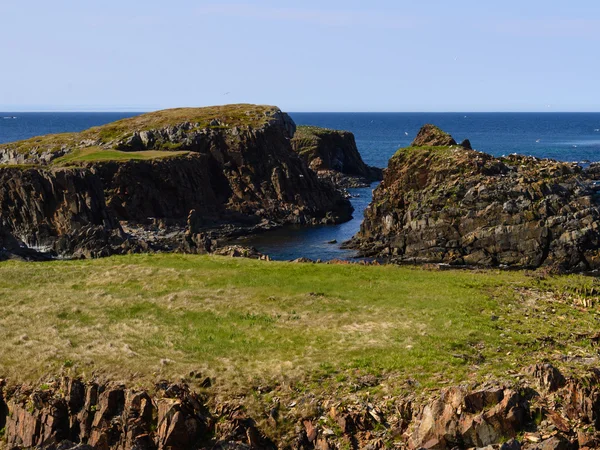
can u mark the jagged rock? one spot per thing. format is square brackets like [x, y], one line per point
[59, 210]
[71, 414]
[463, 419]
[459, 206]
[333, 155]
[431, 136]
[466, 144]
[547, 376]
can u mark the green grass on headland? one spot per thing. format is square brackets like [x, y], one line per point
[100, 154]
[227, 116]
[248, 322]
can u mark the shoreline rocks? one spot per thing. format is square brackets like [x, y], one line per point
[449, 204]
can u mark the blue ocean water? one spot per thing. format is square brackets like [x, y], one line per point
[562, 136]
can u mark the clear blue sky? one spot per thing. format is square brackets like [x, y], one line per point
[327, 55]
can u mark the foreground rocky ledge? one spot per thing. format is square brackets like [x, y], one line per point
[544, 410]
[180, 179]
[445, 203]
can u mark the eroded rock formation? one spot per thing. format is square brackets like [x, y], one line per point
[444, 203]
[334, 156]
[233, 166]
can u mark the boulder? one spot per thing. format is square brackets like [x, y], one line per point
[469, 419]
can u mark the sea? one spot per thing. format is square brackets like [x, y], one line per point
[562, 136]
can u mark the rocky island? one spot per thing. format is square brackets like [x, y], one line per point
[333, 155]
[442, 202]
[168, 180]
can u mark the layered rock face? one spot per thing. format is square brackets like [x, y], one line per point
[450, 204]
[77, 415]
[231, 166]
[62, 210]
[334, 156]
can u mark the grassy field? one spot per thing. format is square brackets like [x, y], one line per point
[248, 323]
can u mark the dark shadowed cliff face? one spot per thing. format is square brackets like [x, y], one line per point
[454, 205]
[54, 209]
[334, 156]
[232, 166]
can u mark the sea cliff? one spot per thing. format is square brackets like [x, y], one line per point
[333, 155]
[442, 202]
[166, 180]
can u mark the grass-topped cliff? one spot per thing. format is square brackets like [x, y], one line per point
[229, 169]
[166, 130]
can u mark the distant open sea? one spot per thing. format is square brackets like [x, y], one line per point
[562, 136]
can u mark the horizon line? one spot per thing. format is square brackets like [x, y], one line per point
[143, 111]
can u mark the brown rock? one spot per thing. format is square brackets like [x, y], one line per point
[431, 136]
[547, 376]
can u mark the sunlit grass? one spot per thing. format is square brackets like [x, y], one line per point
[162, 316]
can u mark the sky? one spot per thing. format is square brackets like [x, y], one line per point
[310, 55]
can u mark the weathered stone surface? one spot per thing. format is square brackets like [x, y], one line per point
[71, 414]
[547, 376]
[54, 210]
[463, 419]
[431, 136]
[333, 155]
[452, 205]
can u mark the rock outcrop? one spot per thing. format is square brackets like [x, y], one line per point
[533, 413]
[334, 156]
[76, 415]
[449, 204]
[131, 185]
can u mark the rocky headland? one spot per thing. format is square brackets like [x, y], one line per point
[441, 202]
[180, 179]
[333, 155]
